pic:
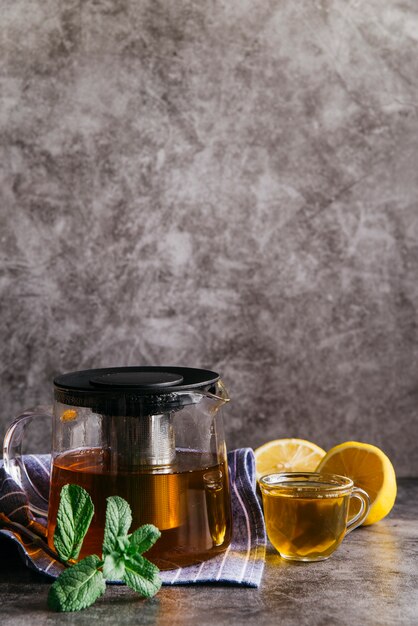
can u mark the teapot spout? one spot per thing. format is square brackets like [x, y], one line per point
[213, 399]
[216, 397]
[219, 395]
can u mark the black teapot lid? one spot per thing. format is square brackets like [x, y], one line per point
[132, 390]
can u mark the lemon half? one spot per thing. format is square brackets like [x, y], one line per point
[370, 469]
[287, 455]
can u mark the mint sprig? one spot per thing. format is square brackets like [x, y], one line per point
[81, 584]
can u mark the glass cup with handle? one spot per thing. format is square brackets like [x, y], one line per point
[307, 513]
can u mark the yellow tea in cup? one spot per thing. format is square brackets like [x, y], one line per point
[306, 514]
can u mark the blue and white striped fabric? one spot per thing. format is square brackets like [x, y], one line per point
[241, 564]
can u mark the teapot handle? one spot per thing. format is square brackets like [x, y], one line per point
[14, 462]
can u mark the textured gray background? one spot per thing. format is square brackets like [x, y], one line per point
[228, 184]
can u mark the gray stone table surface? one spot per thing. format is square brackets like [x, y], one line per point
[371, 579]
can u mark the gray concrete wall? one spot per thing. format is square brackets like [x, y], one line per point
[223, 184]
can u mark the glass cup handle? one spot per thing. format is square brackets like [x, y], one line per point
[359, 518]
[14, 460]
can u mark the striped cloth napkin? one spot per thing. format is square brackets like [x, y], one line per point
[241, 564]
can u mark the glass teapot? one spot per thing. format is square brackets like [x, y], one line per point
[152, 435]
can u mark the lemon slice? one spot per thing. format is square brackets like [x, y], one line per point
[370, 469]
[287, 455]
[69, 415]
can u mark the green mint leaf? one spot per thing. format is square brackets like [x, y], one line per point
[118, 522]
[114, 566]
[78, 586]
[142, 576]
[73, 520]
[143, 539]
[122, 544]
